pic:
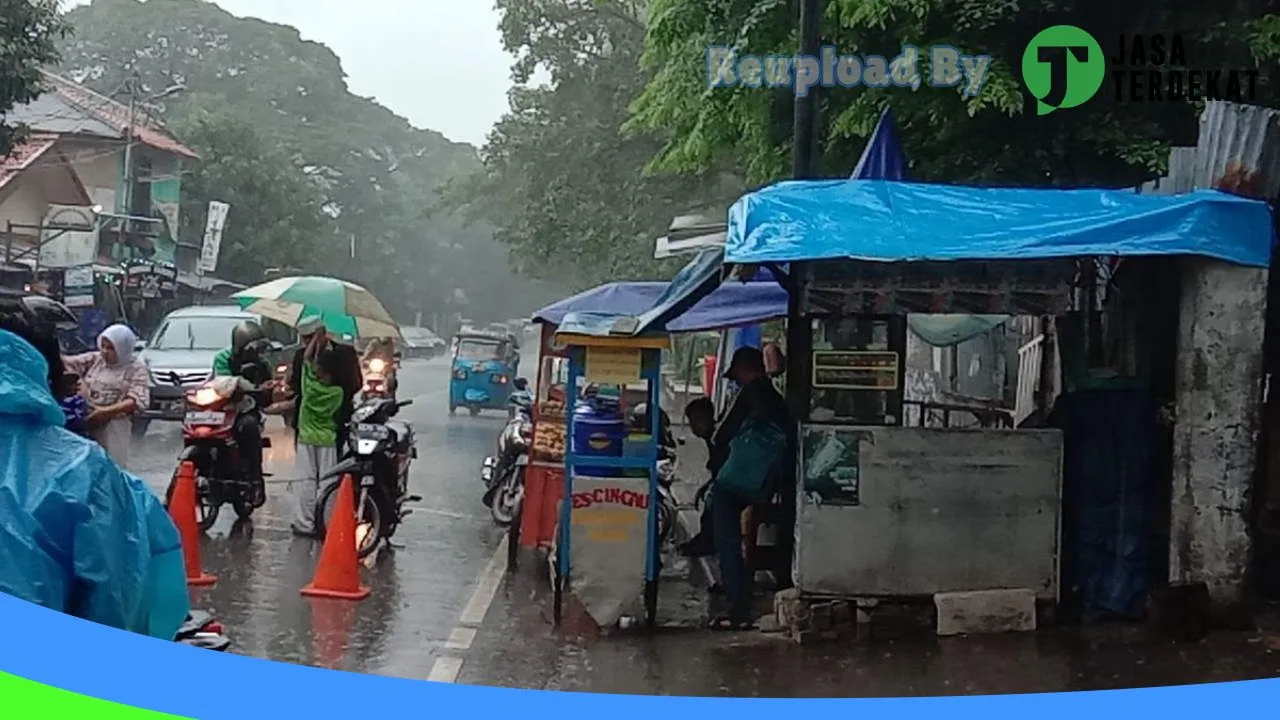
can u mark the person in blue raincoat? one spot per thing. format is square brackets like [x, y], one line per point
[77, 534]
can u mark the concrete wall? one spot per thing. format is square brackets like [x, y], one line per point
[939, 510]
[1219, 395]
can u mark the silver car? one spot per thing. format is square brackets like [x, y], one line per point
[180, 354]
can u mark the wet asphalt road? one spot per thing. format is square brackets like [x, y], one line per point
[442, 609]
[419, 590]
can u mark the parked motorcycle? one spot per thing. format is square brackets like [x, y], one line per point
[203, 631]
[209, 443]
[503, 474]
[668, 466]
[379, 452]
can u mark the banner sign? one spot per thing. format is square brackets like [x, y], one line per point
[613, 366]
[609, 521]
[150, 280]
[69, 237]
[77, 287]
[213, 226]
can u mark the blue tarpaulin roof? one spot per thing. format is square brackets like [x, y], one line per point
[888, 221]
[730, 305]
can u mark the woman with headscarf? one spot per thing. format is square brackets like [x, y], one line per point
[116, 383]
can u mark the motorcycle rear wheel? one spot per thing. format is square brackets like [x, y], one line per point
[207, 506]
[372, 526]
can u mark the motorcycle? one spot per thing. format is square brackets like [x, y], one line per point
[378, 457]
[379, 379]
[503, 474]
[201, 630]
[209, 443]
[668, 468]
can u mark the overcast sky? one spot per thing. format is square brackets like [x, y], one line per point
[438, 63]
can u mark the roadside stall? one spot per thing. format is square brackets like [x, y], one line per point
[607, 550]
[730, 306]
[888, 510]
[1139, 285]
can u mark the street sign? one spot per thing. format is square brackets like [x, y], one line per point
[213, 236]
[68, 237]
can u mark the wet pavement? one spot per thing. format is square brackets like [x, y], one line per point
[443, 609]
[753, 664]
[419, 590]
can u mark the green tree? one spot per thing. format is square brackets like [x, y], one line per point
[562, 184]
[29, 38]
[376, 175]
[993, 137]
[276, 217]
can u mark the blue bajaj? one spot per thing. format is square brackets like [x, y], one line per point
[483, 368]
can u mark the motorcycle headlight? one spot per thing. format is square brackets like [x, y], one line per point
[377, 365]
[205, 396]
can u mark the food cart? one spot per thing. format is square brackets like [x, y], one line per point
[608, 532]
[887, 510]
[730, 306]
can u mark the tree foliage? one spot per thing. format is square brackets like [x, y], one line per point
[320, 166]
[994, 137]
[278, 222]
[29, 38]
[562, 183]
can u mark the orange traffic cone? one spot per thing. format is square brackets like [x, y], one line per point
[182, 508]
[338, 572]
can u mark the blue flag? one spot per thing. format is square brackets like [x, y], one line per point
[882, 158]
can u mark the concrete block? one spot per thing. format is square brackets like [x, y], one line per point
[977, 612]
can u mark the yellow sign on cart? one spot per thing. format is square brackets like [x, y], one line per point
[613, 365]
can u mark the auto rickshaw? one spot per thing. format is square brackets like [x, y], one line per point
[483, 368]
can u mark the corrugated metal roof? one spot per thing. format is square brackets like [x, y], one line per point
[67, 108]
[53, 113]
[1239, 150]
[24, 154]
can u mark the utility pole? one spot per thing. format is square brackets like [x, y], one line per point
[132, 89]
[805, 158]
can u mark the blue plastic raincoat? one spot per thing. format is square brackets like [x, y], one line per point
[77, 534]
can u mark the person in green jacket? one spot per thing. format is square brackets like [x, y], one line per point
[246, 341]
[319, 402]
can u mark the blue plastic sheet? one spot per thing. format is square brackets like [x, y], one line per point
[730, 305]
[882, 158]
[888, 221]
[77, 534]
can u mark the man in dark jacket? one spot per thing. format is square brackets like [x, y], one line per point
[756, 395]
[349, 375]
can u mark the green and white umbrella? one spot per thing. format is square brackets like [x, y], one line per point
[346, 308]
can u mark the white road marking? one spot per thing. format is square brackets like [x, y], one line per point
[487, 587]
[445, 670]
[460, 639]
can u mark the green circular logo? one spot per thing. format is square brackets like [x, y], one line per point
[1063, 67]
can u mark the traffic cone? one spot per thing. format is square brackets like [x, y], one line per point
[182, 508]
[338, 572]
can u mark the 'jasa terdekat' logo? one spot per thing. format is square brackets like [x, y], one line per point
[1064, 67]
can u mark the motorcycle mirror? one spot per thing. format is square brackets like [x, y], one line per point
[276, 346]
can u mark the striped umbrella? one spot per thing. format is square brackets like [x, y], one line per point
[346, 308]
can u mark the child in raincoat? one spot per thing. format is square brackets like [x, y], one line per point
[77, 534]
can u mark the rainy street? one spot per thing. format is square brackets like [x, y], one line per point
[442, 608]
[419, 590]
